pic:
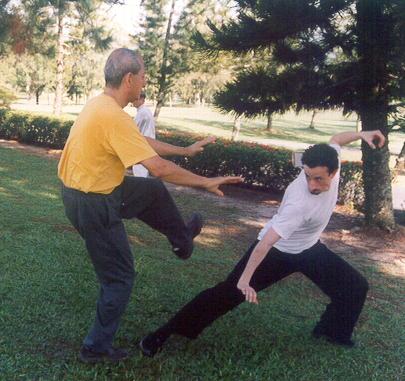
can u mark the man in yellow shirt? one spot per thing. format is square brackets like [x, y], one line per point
[102, 143]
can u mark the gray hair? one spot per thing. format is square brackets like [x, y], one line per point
[119, 63]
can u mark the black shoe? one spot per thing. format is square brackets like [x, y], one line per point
[90, 356]
[319, 332]
[194, 227]
[151, 344]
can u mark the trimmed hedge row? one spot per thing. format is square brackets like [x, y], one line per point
[34, 129]
[262, 167]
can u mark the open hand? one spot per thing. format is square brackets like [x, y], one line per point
[373, 136]
[198, 147]
[214, 183]
[249, 292]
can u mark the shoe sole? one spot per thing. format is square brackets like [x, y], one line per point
[201, 220]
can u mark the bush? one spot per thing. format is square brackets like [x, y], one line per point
[34, 129]
[262, 167]
[351, 191]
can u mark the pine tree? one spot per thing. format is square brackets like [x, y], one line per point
[329, 54]
[166, 43]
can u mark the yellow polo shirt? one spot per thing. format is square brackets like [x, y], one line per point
[103, 142]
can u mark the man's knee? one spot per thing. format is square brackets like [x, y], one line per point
[363, 287]
[358, 291]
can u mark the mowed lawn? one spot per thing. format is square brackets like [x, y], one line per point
[48, 292]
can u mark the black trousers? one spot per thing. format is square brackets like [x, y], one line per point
[98, 219]
[344, 285]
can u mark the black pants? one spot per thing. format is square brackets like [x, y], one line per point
[98, 219]
[343, 284]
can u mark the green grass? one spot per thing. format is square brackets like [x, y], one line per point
[48, 292]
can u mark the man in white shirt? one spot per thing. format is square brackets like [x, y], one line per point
[146, 125]
[288, 243]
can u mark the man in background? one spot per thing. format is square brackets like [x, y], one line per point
[146, 125]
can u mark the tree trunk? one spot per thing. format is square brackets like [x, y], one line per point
[312, 125]
[163, 85]
[37, 93]
[57, 105]
[269, 121]
[236, 128]
[378, 207]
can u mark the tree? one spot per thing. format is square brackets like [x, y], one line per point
[32, 74]
[5, 24]
[166, 45]
[67, 16]
[329, 54]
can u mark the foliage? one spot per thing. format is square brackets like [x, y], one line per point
[262, 167]
[34, 129]
[172, 64]
[6, 97]
[345, 54]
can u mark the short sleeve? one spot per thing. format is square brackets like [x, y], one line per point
[128, 143]
[288, 220]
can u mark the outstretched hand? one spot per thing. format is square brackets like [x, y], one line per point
[249, 292]
[371, 137]
[214, 183]
[198, 147]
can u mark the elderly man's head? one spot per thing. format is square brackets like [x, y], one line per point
[125, 70]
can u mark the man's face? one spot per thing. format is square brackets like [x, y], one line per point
[318, 179]
[138, 102]
[137, 83]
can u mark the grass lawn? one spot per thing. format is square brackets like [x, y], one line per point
[48, 292]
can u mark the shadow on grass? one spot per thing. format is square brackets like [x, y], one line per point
[48, 290]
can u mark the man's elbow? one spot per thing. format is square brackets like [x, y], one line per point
[159, 168]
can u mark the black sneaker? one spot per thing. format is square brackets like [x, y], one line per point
[319, 332]
[151, 344]
[194, 227]
[91, 356]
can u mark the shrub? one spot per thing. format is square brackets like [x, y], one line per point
[262, 167]
[34, 129]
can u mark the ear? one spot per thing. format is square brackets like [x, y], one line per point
[126, 80]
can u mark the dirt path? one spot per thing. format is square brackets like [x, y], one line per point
[344, 234]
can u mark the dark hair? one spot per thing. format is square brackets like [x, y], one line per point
[321, 155]
[119, 63]
[142, 95]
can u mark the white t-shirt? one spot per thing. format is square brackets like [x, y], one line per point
[146, 124]
[302, 216]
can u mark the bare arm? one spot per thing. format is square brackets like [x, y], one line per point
[368, 136]
[166, 149]
[172, 173]
[257, 256]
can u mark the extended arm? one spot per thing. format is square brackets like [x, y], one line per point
[257, 256]
[166, 149]
[172, 173]
[370, 137]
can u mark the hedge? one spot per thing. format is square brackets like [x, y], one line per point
[262, 167]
